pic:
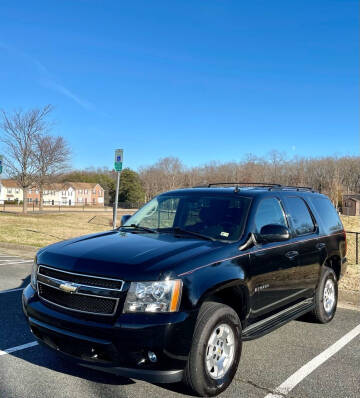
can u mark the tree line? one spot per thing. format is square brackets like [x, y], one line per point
[332, 175]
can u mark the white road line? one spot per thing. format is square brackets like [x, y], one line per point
[11, 290]
[18, 348]
[308, 368]
[12, 262]
[3, 255]
[18, 259]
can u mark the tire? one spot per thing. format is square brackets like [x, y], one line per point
[325, 299]
[216, 323]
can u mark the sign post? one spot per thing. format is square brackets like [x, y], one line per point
[119, 153]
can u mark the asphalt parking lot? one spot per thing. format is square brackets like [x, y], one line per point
[300, 359]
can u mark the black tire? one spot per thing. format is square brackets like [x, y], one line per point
[319, 313]
[196, 375]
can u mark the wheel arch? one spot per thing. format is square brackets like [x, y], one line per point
[334, 262]
[233, 293]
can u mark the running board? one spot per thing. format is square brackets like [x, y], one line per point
[267, 325]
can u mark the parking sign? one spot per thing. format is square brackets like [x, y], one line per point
[118, 159]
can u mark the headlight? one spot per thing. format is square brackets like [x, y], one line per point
[33, 280]
[163, 296]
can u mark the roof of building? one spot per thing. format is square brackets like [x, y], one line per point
[355, 196]
[9, 183]
[57, 186]
[83, 185]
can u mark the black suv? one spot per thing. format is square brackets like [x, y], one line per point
[172, 294]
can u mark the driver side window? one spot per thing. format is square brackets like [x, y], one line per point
[269, 211]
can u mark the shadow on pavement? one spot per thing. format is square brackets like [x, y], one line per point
[46, 358]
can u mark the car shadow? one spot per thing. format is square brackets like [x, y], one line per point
[47, 358]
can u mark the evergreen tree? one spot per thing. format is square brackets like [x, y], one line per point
[131, 189]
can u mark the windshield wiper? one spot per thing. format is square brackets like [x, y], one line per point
[197, 234]
[140, 227]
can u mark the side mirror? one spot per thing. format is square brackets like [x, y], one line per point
[124, 218]
[273, 233]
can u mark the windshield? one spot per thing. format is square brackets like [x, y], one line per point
[218, 217]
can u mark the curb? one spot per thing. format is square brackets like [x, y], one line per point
[349, 297]
[19, 250]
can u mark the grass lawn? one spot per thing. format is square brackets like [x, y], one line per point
[42, 229]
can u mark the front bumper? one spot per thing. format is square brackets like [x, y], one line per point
[120, 347]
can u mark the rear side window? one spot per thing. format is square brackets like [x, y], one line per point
[299, 215]
[269, 211]
[328, 214]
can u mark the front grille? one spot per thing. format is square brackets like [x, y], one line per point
[78, 292]
[77, 302]
[81, 279]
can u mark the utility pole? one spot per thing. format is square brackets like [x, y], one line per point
[118, 167]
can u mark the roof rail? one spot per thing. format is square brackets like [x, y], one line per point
[263, 184]
[297, 188]
[270, 186]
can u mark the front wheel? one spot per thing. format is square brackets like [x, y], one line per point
[215, 350]
[326, 296]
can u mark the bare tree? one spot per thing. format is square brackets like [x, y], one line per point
[52, 157]
[21, 129]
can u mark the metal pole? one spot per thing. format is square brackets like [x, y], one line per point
[357, 248]
[116, 199]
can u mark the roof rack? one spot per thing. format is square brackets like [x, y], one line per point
[263, 184]
[269, 186]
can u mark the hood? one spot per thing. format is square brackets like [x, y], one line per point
[125, 255]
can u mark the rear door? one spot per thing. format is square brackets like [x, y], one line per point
[306, 234]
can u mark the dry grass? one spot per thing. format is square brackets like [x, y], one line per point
[351, 280]
[351, 223]
[42, 229]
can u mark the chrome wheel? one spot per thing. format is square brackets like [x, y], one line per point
[329, 296]
[220, 351]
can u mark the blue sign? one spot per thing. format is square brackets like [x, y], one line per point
[118, 159]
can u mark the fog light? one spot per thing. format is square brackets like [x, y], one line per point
[152, 356]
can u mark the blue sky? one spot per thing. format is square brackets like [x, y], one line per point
[201, 80]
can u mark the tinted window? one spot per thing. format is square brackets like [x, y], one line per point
[328, 214]
[220, 217]
[269, 211]
[300, 216]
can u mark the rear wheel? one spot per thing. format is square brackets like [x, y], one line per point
[215, 350]
[326, 296]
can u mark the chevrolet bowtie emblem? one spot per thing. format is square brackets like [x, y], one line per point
[68, 287]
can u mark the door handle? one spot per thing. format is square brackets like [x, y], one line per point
[320, 245]
[292, 254]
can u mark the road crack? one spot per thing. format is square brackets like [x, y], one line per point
[259, 387]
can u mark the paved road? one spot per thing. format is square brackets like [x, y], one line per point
[266, 363]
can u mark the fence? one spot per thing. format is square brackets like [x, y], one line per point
[352, 246]
[54, 206]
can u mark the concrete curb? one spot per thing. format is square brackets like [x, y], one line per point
[349, 297]
[18, 250]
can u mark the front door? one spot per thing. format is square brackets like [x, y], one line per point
[273, 266]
